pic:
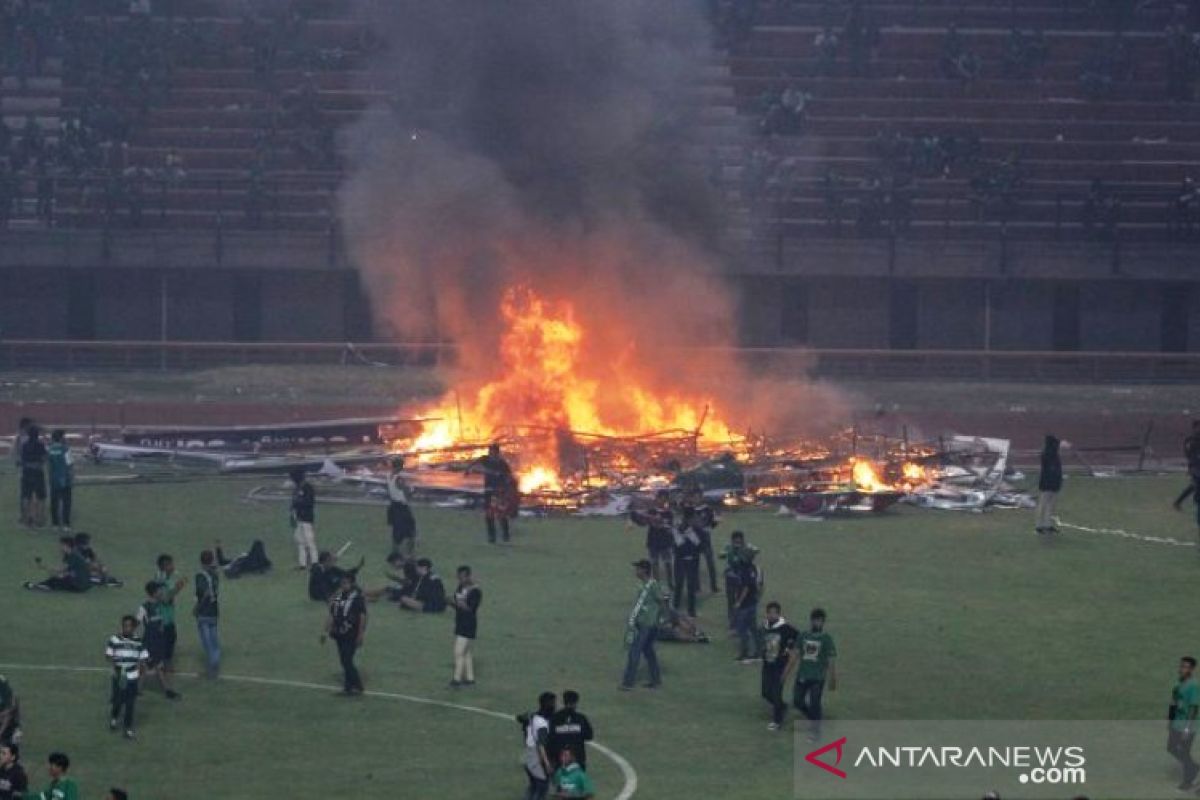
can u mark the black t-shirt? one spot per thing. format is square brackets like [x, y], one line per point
[13, 782]
[33, 454]
[497, 474]
[777, 643]
[207, 588]
[466, 621]
[323, 581]
[430, 593]
[304, 502]
[568, 731]
[658, 522]
[347, 610]
[748, 579]
[687, 545]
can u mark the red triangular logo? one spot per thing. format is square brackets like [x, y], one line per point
[814, 757]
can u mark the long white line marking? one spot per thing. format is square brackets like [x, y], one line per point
[628, 773]
[1123, 534]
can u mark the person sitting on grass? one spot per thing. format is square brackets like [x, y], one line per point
[570, 780]
[98, 573]
[403, 578]
[75, 575]
[679, 627]
[61, 786]
[152, 616]
[253, 562]
[428, 593]
[10, 713]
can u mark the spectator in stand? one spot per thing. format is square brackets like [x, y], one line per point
[826, 45]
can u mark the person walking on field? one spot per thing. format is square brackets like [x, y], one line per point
[642, 628]
[347, 625]
[304, 515]
[1049, 485]
[1181, 730]
[817, 664]
[467, 598]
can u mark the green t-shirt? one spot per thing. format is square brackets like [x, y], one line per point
[61, 789]
[573, 781]
[166, 609]
[648, 607]
[736, 556]
[79, 569]
[58, 457]
[1184, 695]
[815, 651]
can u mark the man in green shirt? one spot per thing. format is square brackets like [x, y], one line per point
[570, 781]
[642, 628]
[737, 553]
[817, 664]
[75, 576]
[61, 787]
[1185, 698]
[62, 479]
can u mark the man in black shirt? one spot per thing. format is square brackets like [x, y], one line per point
[347, 624]
[325, 576]
[658, 520]
[569, 730]
[499, 491]
[745, 611]
[427, 594]
[687, 567]
[33, 478]
[703, 519]
[303, 517]
[467, 598]
[778, 659]
[13, 781]
[207, 611]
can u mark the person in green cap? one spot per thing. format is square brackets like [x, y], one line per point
[570, 780]
[642, 628]
[61, 787]
[1185, 698]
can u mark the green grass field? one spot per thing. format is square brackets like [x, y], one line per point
[937, 615]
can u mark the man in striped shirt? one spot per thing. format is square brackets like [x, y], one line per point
[127, 655]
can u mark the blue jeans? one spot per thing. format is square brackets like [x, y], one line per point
[207, 626]
[744, 620]
[643, 644]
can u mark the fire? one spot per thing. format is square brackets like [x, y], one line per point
[547, 386]
[866, 478]
[913, 473]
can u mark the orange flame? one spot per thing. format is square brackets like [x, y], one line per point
[546, 383]
[865, 476]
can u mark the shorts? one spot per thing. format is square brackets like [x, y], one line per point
[404, 525]
[170, 635]
[33, 484]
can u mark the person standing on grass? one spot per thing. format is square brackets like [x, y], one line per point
[128, 656]
[641, 629]
[736, 553]
[536, 760]
[467, 598]
[10, 713]
[570, 730]
[703, 521]
[1050, 483]
[347, 626]
[500, 495]
[18, 444]
[571, 781]
[745, 612]
[687, 567]
[659, 521]
[13, 780]
[33, 478]
[303, 518]
[151, 617]
[172, 586]
[62, 479]
[817, 664]
[207, 611]
[399, 513]
[61, 787]
[778, 659]
[1181, 728]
